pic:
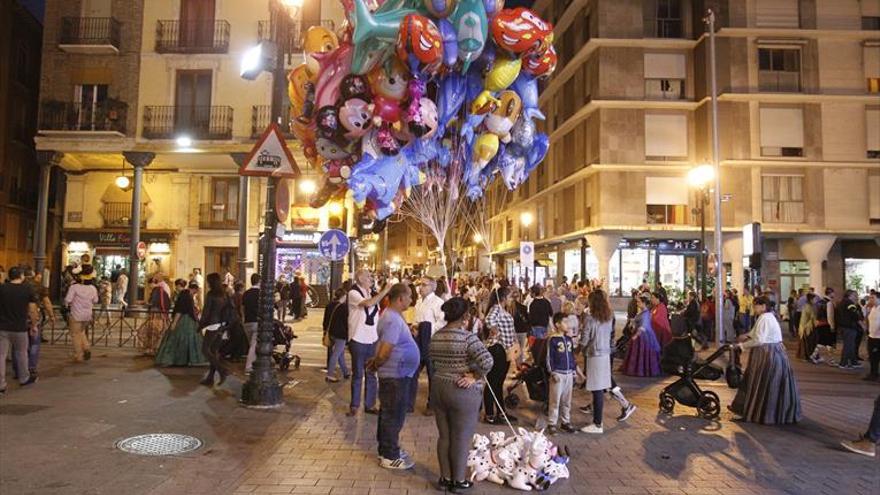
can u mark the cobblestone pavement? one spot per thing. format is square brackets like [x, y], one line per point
[58, 437]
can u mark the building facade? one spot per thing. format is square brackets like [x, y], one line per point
[156, 84]
[628, 112]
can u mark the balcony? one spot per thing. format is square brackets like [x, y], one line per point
[294, 39]
[218, 216]
[777, 81]
[118, 214]
[91, 35]
[106, 117]
[173, 36]
[664, 89]
[197, 122]
[261, 116]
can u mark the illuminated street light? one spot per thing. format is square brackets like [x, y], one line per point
[371, 247]
[334, 208]
[307, 186]
[477, 237]
[122, 182]
[526, 218]
[262, 57]
[184, 142]
[701, 176]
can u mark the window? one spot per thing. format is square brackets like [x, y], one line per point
[783, 199]
[871, 60]
[541, 213]
[872, 126]
[508, 230]
[666, 200]
[782, 131]
[779, 70]
[192, 113]
[419, 241]
[777, 14]
[664, 76]
[666, 136]
[870, 14]
[222, 210]
[873, 197]
[669, 23]
[89, 102]
[871, 23]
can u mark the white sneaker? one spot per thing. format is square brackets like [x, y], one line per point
[397, 464]
[591, 428]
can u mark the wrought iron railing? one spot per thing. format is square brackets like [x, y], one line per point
[118, 214]
[71, 116]
[196, 122]
[110, 327]
[292, 40]
[216, 216]
[90, 31]
[174, 36]
[261, 116]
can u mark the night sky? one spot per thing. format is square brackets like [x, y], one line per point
[36, 7]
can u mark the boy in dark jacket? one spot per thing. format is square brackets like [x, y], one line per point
[561, 365]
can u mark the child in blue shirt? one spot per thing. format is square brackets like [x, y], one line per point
[561, 365]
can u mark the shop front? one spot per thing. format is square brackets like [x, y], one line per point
[675, 263]
[297, 254]
[861, 265]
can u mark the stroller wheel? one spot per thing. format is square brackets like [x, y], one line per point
[511, 401]
[709, 405]
[667, 403]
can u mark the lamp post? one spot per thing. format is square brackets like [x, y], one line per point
[700, 178]
[716, 163]
[525, 219]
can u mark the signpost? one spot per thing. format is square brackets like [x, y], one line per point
[270, 158]
[335, 246]
[526, 257]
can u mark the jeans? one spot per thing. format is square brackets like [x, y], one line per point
[33, 353]
[560, 398]
[848, 356]
[874, 354]
[539, 332]
[414, 384]
[598, 406]
[18, 342]
[360, 353]
[456, 411]
[495, 381]
[394, 398]
[873, 433]
[337, 355]
[250, 329]
[211, 349]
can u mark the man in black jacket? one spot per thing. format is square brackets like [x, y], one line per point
[540, 312]
[849, 319]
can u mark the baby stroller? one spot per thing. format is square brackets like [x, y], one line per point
[533, 375]
[282, 335]
[687, 391]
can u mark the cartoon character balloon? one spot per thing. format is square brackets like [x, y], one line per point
[356, 116]
[419, 44]
[540, 65]
[389, 87]
[501, 120]
[520, 30]
[472, 28]
[441, 8]
[317, 39]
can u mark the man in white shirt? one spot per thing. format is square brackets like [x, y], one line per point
[874, 337]
[363, 314]
[122, 287]
[428, 319]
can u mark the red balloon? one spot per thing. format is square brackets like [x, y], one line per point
[540, 65]
[419, 38]
[521, 31]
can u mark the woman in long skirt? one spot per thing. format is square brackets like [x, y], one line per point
[660, 320]
[643, 355]
[182, 344]
[768, 393]
[807, 329]
[150, 333]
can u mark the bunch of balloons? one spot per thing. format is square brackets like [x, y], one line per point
[414, 85]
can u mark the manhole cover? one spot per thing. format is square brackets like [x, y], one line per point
[159, 444]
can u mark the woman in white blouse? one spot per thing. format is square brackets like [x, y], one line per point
[768, 393]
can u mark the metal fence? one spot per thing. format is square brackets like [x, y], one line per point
[113, 327]
[198, 122]
[174, 36]
[89, 31]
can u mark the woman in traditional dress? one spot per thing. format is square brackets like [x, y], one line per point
[660, 319]
[150, 333]
[768, 393]
[182, 344]
[643, 354]
[807, 329]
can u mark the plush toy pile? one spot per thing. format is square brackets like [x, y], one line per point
[447, 87]
[527, 461]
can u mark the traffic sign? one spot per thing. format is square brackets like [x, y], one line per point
[334, 244]
[527, 254]
[270, 157]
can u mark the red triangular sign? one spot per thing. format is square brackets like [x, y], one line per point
[270, 157]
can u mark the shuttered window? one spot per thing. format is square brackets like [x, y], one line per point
[874, 196]
[871, 62]
[872, 127]
[666, 200]
[777, 13]
[782, 131]
[666, 136]
[783, 198]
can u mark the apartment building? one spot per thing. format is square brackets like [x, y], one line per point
[628, 111]
[155, 85]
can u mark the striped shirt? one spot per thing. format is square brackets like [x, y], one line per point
[455, 351]
[501, 320]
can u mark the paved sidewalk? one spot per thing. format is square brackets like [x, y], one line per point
[58, 437]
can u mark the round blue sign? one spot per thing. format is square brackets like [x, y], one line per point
[334, 244]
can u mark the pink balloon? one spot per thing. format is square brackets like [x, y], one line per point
[334, 65]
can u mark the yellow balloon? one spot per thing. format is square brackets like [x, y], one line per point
[318, 39]
[502, 74]
[485, 148]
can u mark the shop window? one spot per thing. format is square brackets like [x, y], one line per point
[777, 14]
[872, 127]
[664, 76]
[779, 70]
[666, 200]
[782, 131]
[862, 275]
[666, 136]
[783, 200]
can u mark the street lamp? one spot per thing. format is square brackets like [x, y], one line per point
[307, 186]
[525, 219]
[478, 238]
[709, 20]
[700, 177]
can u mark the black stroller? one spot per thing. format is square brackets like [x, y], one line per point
[687, 391]
[282, 335]
[533, 375]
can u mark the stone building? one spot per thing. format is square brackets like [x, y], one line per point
[628, 111]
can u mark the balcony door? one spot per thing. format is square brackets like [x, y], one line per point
[192, 111]
[89, 105]
[224, 205]
[197, 23]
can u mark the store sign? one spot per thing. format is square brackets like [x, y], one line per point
[300, 237]
[661, 245]
[114, 239]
